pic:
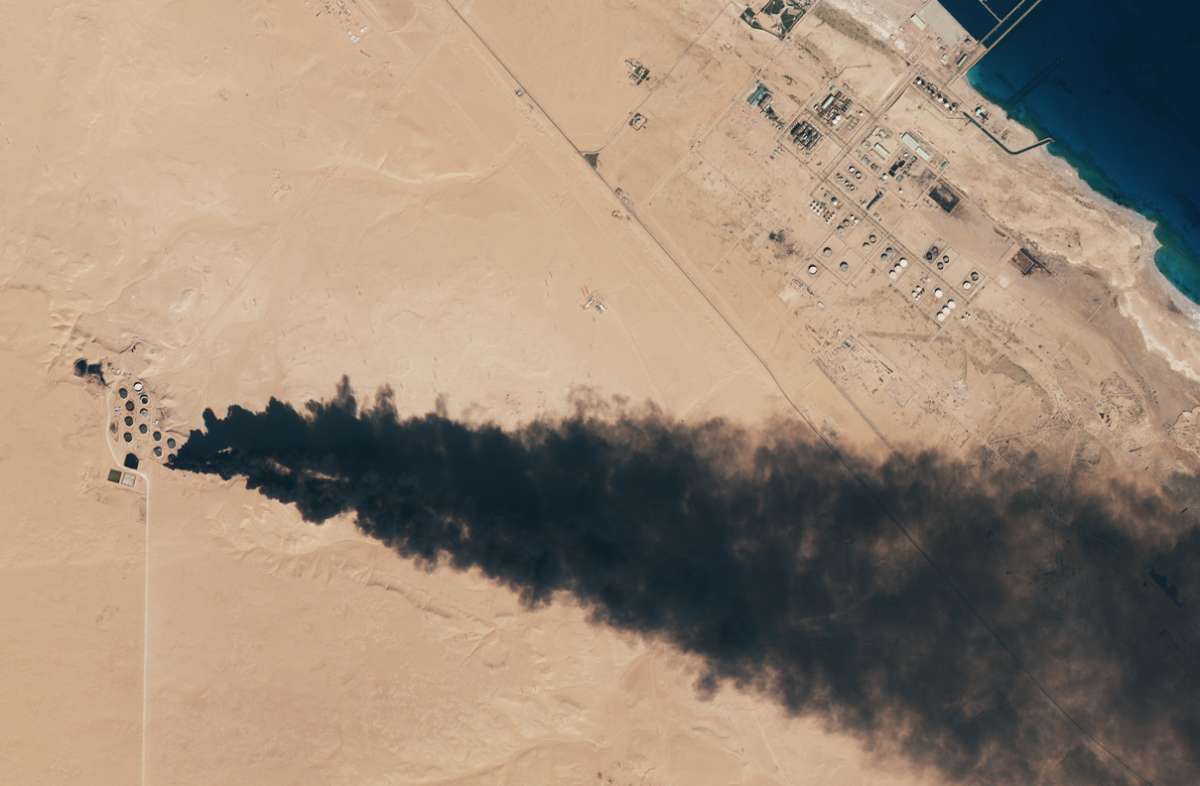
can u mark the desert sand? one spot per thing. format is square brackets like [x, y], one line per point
[228, 202]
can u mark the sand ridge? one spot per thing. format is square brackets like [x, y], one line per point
[235, 202]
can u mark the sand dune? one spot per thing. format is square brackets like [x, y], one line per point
[234, 202]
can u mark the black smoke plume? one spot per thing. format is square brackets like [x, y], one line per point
[85, 369]
[930, 608]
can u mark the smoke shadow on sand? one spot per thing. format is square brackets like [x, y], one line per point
[930, 608]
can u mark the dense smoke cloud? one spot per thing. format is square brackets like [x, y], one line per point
[927, 607]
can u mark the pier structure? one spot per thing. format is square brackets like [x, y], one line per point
[996, 34]
[1032, 83]
[1003, 146]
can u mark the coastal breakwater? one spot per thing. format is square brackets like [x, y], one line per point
[1114, 98]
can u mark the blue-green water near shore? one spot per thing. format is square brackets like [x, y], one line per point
[1123, 106]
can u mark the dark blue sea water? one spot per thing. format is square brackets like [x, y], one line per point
[1123, 106]
[972, 15]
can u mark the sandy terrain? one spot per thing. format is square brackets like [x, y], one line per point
[237, 201]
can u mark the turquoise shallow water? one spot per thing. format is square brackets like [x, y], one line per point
[1123, 106]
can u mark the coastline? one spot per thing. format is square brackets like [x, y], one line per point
[1167, 326]
[1176, 254]
[230, 247]
[1168, 321]
[1171, 344]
